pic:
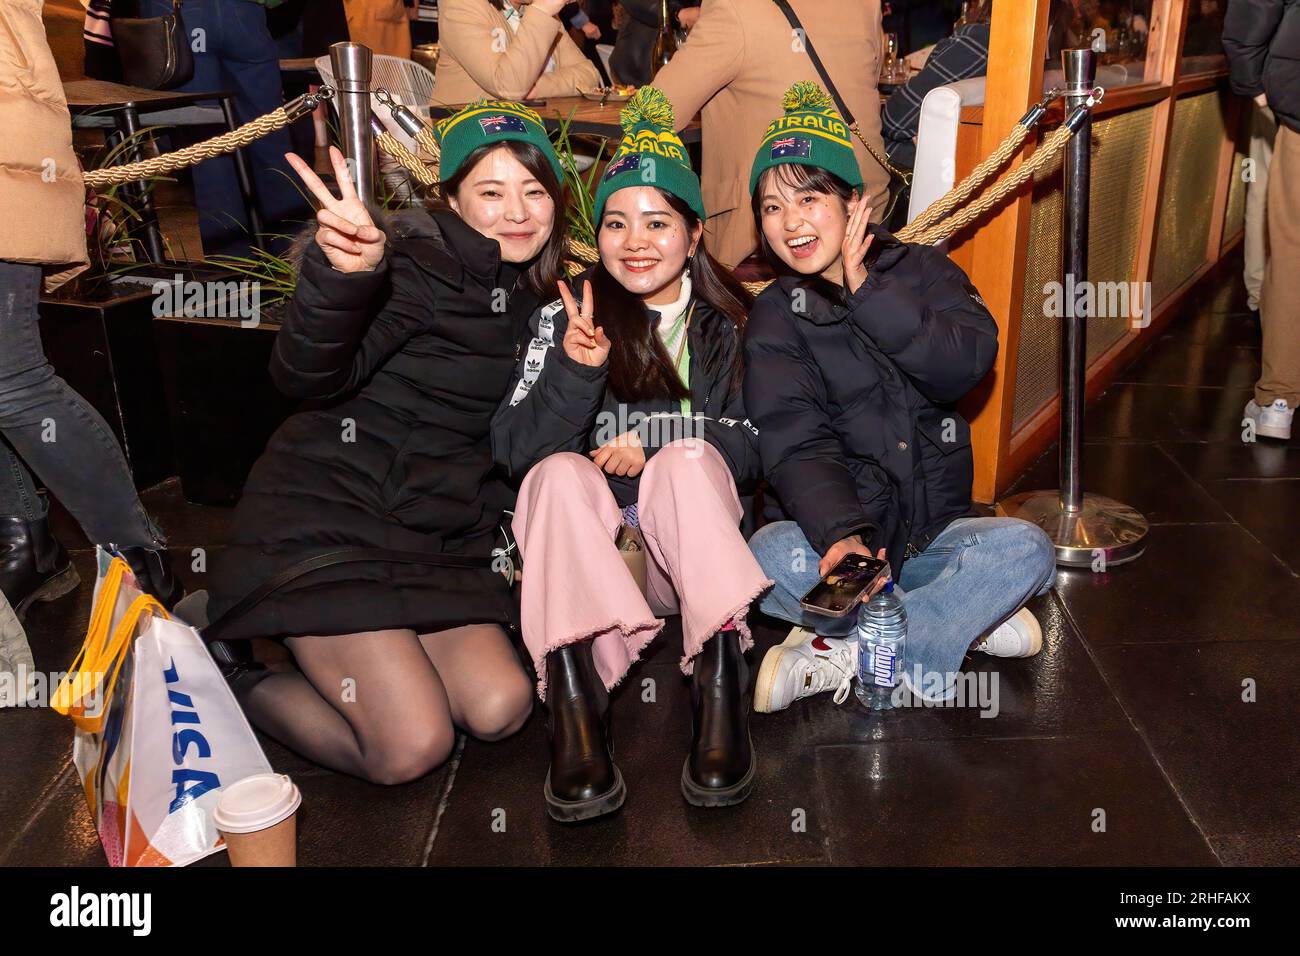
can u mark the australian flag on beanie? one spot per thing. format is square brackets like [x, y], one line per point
[800, 146]
[628, 163]
[501, 123]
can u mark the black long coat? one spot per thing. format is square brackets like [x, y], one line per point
[407, 365]
[556, 404]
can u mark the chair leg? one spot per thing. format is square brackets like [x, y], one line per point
[247, 190]
[128, 124]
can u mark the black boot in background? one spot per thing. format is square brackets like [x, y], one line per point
[153, 571]
[582, 782]
[33, 565]
[719, 770]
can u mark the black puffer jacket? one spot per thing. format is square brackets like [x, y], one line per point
[410, 362]
[557, 404]
[853, 398]
[1262, 41]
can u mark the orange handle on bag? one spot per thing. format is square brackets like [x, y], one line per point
[83, 695]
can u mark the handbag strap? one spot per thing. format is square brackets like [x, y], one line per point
[332, 559]
[843, 107]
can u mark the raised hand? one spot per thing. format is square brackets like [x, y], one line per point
[583, 342]
[347, 235]
[856, 243]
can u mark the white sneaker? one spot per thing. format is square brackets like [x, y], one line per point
[1271, 421]
[803, 665]
[1018, 636]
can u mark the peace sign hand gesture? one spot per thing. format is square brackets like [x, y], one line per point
[584, 343]
[347, 235]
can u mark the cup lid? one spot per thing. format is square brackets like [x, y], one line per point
[256, 802]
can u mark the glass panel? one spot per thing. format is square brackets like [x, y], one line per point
[1118, 30]
[1203, 41]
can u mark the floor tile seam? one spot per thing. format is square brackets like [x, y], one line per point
[1136, 727]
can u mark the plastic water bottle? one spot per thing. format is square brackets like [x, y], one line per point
[882, 633]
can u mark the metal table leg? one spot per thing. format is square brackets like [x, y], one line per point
[128, 123]
[247, 188]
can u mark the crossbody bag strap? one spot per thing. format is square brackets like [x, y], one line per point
[332, 559]
[843, 107]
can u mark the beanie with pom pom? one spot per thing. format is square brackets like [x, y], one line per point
[810, 132]
[650, 154]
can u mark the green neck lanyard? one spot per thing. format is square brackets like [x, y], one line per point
[682, 360]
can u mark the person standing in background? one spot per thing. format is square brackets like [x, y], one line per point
[741, 57]
[1262, 41]
[239, 54]
[1263, 131]
[382, 25]
[44, 424]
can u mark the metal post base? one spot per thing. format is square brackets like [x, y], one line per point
[1101, 528]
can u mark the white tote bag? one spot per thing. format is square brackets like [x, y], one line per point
[158, 732]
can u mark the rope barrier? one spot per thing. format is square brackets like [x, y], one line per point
[217, 146]
[1009, 146]
[937, 222]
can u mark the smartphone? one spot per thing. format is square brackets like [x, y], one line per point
[533, 103]
[839, 591]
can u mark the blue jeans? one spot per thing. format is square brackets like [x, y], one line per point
[238, 55]
[972, 577]
[57, 433]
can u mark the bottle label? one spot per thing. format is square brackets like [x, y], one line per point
[883, 666]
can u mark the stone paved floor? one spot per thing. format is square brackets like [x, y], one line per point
[1134, 706]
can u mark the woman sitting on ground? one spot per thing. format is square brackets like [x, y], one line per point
[627, 410]
[405, 344]
[855, 358]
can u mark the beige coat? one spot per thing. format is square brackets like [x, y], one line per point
[42, 196]
[737, 63]
[479, 55]
[382, 25]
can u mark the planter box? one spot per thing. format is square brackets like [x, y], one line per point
[222, 402]
[99, 337]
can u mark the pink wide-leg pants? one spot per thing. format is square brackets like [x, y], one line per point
[576, 586]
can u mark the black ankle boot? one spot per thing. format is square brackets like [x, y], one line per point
[582, 782]
[719, 770]
[153, 571]
[237, 664]
[33, 565]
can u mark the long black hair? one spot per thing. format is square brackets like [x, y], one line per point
[639, 365]
[547, 267]
[801, 178]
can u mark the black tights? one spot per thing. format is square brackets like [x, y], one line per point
[384, 705]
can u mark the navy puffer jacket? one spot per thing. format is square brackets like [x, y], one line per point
[853, 397]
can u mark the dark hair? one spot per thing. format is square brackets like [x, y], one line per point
[548, 266]
[639, 365]
[798, 177]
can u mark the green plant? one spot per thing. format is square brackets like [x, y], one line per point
[582, 189]
[276, 275]
[111, 214]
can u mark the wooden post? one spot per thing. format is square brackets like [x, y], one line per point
[1017, 47]
[1166, 50]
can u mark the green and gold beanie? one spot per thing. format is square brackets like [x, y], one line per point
[650, 154]
[811, 133]
[490, 121]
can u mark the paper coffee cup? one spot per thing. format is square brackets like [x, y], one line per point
[257, 818]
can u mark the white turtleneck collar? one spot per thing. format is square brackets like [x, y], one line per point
[670, 311]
